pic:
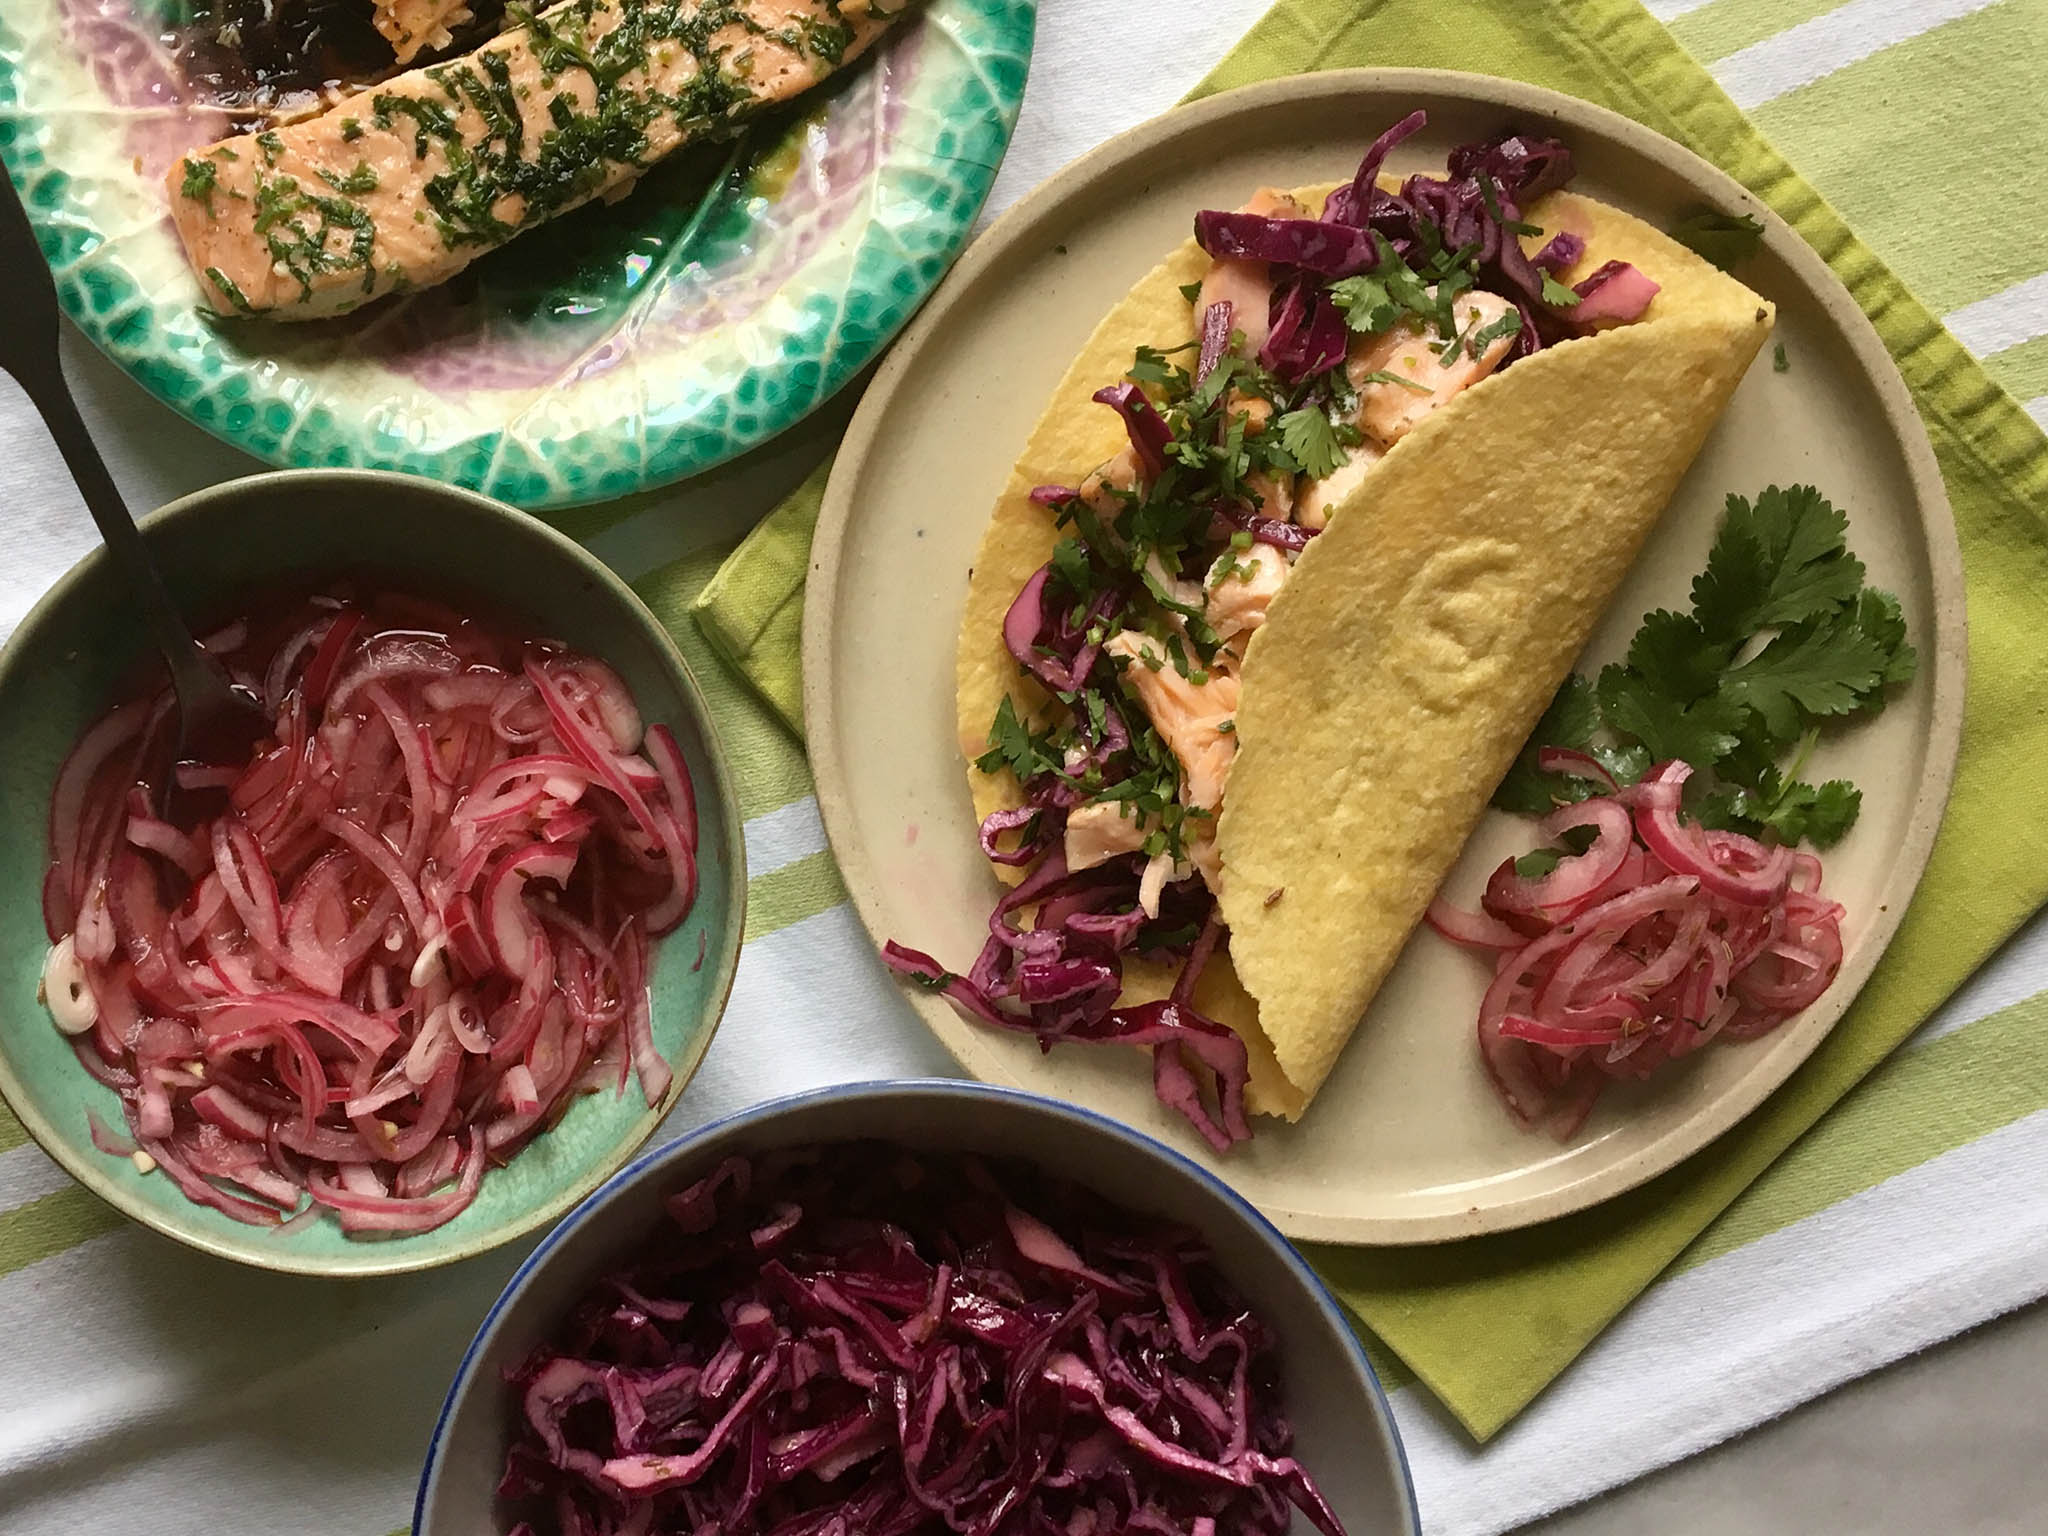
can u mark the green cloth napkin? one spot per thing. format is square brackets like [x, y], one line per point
[752, 610]
[1488, 1323]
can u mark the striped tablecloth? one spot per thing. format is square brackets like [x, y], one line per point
[148, 1389]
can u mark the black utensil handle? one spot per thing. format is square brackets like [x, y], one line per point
[143, 586]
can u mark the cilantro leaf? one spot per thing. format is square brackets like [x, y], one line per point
[1807, 672]
[1673, 655]
[1626, 762]
[1384, 376]
[1150, 365]
[1311, 441]
[1072, 569]
[1570, 721]
[1780, 363]
[1556, 294]
[200, 178]
[1725, 239]
[1789, 812]
[1699, 733]
[1830, 812]
[1754, 757]
[1779, 560]
[1403, 284]
[1445, 308]
[1013, 745]
[1879, 616]
[1366, 304]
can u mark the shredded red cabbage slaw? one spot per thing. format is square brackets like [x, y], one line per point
[402, 939]
[857, 1340]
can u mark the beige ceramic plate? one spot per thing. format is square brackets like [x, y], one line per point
[1407, 1142]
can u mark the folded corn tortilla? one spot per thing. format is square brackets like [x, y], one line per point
[1418, 639]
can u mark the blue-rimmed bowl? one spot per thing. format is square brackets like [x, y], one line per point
[1344, 1430]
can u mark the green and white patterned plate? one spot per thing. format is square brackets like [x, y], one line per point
[619, 349]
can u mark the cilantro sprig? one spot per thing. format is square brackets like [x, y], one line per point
[1782, 639]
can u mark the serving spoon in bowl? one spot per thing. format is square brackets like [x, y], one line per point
[218, 720]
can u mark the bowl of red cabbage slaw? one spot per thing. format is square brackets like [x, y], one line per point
[429, 965]
[910, 1307]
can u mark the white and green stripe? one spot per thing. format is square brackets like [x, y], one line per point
[1888, 107]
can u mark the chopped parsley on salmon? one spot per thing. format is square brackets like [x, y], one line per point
[403, 184]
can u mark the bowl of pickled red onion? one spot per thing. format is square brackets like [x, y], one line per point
[430, 960]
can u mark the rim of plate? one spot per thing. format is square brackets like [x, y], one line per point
[392, 1258]
[1944, 658]
[681, 1149]
[666, 455]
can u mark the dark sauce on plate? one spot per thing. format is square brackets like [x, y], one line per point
[276, 58]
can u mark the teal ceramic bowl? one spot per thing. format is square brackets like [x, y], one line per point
[619, 348]
[81, 650]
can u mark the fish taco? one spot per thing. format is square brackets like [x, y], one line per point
[1306, 539]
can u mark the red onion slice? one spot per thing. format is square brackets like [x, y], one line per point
[1474, 930]
[357, 994]
[1666, 937]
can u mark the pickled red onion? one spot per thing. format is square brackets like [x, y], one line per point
[1660, 938]
[348, 981]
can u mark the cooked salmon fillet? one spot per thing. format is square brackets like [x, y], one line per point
[403, 185]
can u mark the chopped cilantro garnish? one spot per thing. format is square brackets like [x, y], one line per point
[351, 129]
[1015, 746]
[228, 287]
[1725, 239]
[1071, 567]
[1506, 328]
[1383, 376]
[1448, 289]
[358, 181]
[1556, 294]
[1780, 363]
[201, 176]
[1311, 441]
[1374, 302]
[1366, 305]
[1490, 196]
[1150, 366]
